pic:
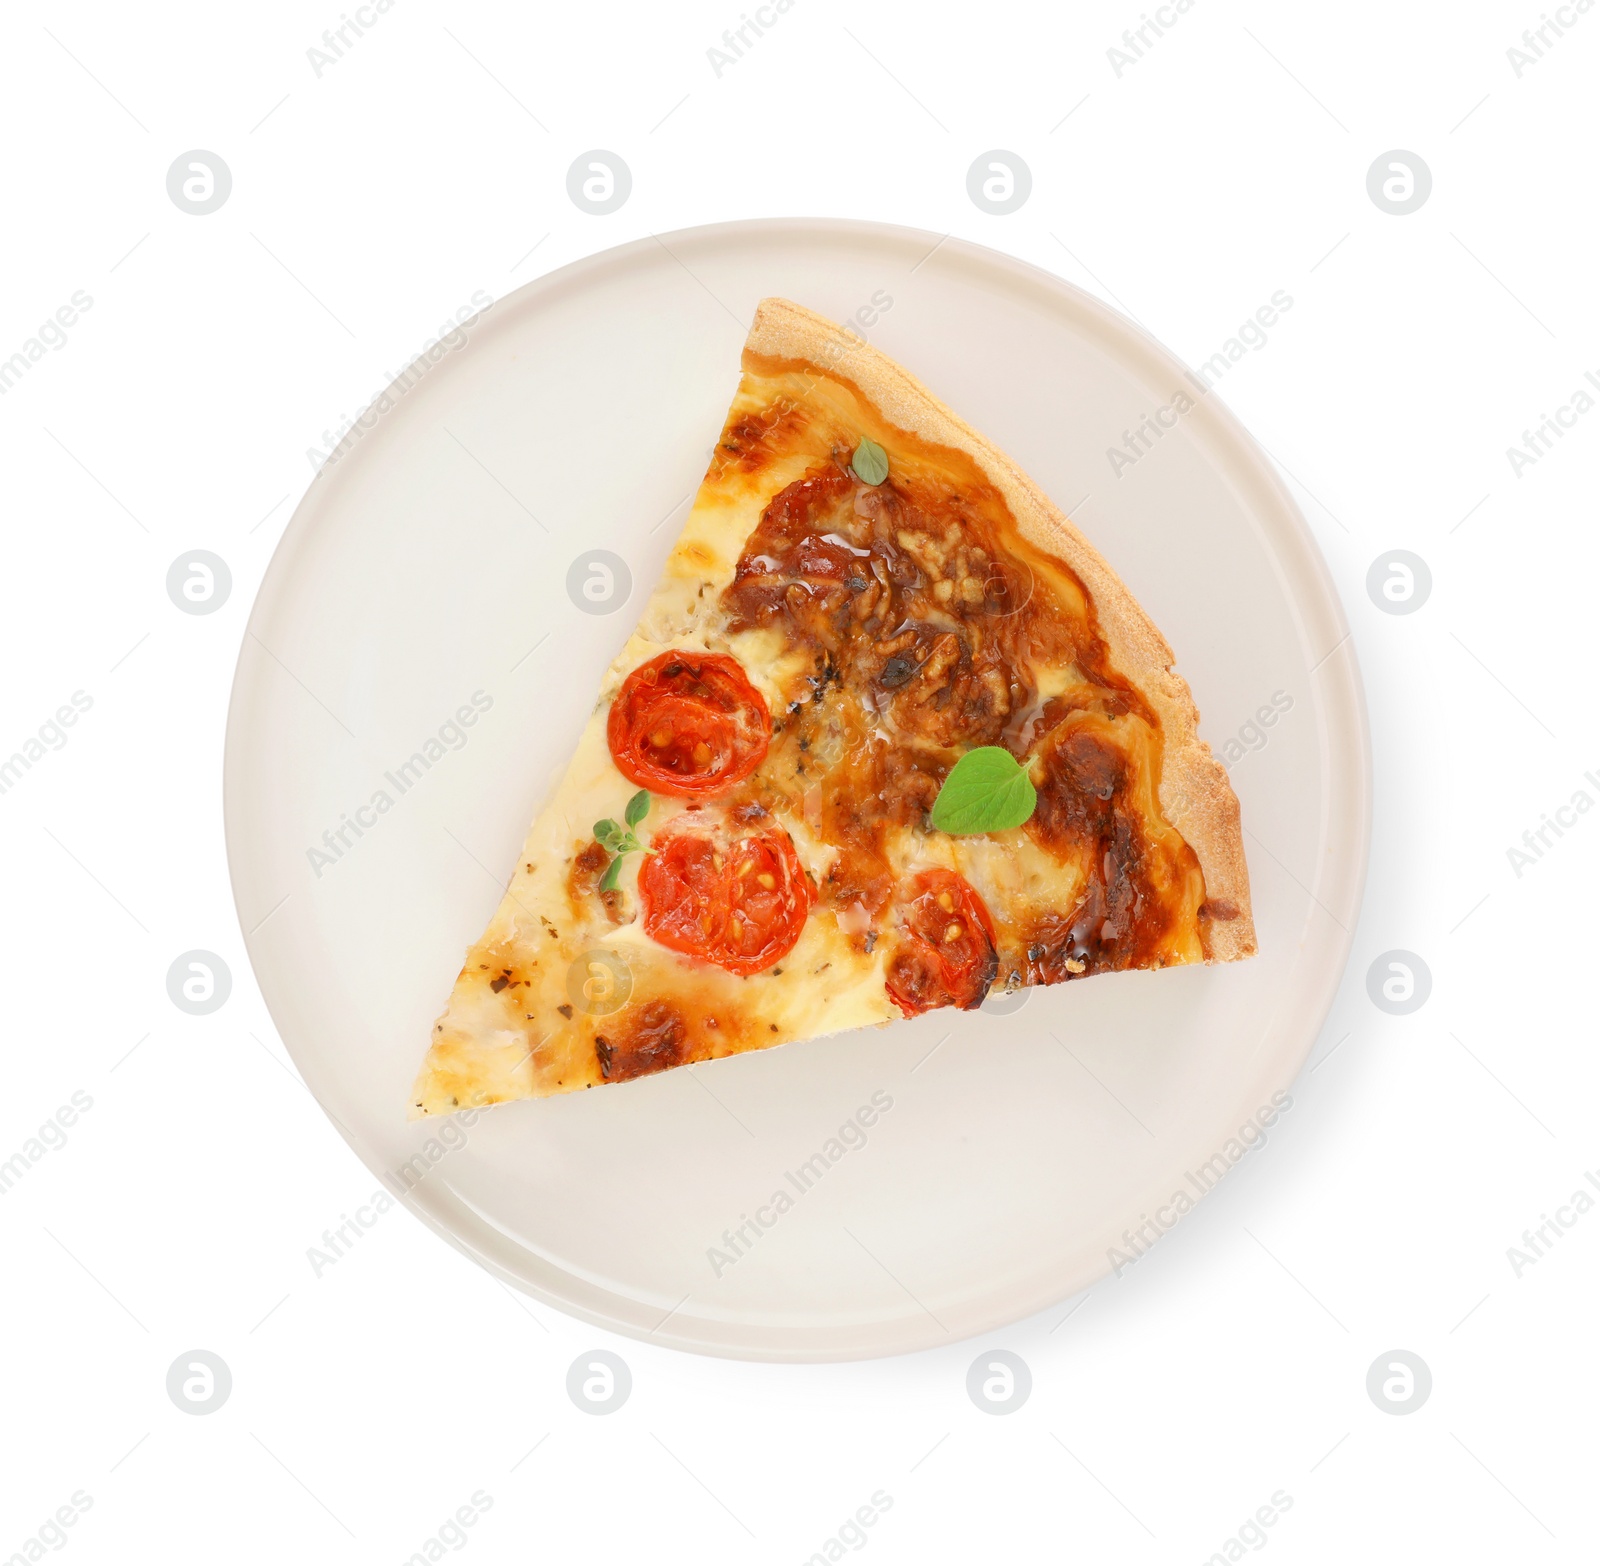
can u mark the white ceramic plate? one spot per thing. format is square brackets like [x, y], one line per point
[428, 561]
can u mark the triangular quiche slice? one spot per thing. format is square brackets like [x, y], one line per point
[743, 850]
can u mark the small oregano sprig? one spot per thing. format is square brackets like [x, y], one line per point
[870, 463]
[621, 840]
[987, 790]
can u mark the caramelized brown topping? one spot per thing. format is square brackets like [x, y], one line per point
[906, 592]
[653, 1038]
[751, 440]
[925, 618]
[1088, 812]
[583, 881]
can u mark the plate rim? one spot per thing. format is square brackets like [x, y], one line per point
[1348, 689]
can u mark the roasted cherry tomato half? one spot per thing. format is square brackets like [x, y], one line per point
[688, 724]
[739, 902]
[945, 953]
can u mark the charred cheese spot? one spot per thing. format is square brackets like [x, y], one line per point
[654, 1037]
[752, 439]
[1143, 886]
[589, 865]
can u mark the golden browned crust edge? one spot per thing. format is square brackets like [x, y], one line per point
[1196, 796]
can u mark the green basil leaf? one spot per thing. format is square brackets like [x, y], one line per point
[607, 832]
[608, 882]
[987, 790]
[638, 807]
[870, 463]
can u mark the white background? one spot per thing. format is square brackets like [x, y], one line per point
[368, 204]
